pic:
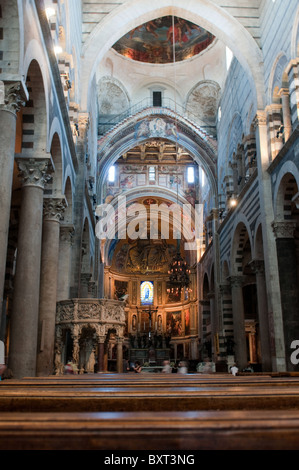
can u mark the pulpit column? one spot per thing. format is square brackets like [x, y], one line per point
[13, 101]
[101, 354]
[25, 308]
[53, 213]
[239, 321]
[119, 356]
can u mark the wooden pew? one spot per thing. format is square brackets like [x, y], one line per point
[176, 431]
[120, 394]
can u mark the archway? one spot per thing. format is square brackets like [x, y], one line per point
[222, 25]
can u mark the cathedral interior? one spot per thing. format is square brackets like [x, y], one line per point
[149, 168]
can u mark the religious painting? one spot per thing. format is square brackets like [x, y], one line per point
[127, 181]
[155, 127]
[187, 322]
[147, 293]
[121, 258]
[154, 41]
[146, 256]
[121, 289]
[174, 324]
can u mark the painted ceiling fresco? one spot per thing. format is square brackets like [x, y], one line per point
[153, 41]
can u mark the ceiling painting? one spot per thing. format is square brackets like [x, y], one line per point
[152, 42]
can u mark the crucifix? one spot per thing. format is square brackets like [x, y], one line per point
[150, 311]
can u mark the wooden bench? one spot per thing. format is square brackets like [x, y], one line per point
[134, 394]
[150, 412]
[222, 430]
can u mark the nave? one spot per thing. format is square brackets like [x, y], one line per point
[148, 412]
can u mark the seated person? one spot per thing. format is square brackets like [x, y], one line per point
[137, 367]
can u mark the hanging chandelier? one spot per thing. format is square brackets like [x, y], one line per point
[179, 276]
[179, 272]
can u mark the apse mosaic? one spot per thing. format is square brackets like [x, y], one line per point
[152, 42]
[147, 293]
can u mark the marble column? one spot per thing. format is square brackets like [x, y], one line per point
[286, 113]
[14, 99]
[239, 321]
[287, 263]
[258, 268]
[64, 267]
[119, 356]
[101, 354]
[78, 204]
[53, 213]
[25, 308]
[270, 254]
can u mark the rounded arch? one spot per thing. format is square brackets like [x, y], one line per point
[68, 193]
[197, 104]
[258, 242]
[113, 97]
[289, 172]
[35, 119]
[205, 286]
[225, 271]
[210, 16]
[278, 78]
[190, 138]
[241, 245]
[57, 158]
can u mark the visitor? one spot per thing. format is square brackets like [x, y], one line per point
[126, 366]
[182, 368]
[166, 368]
[3, 368]
[69, 368]
[137, 367]
[234, 369]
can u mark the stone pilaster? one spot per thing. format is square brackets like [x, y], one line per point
[78, 203]
[288, 279]
[239, 321]
[65, 256]
[53, 213]
[14, 99]
[25, 308]
[286, 112]
[258, 267]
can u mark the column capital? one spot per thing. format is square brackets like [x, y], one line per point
[236, 281]
[260, 119]
[67, 233]
[284, 92]
[257, 266]
[14, 97]
[284, 228]
[54, 208]
[34, 172]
